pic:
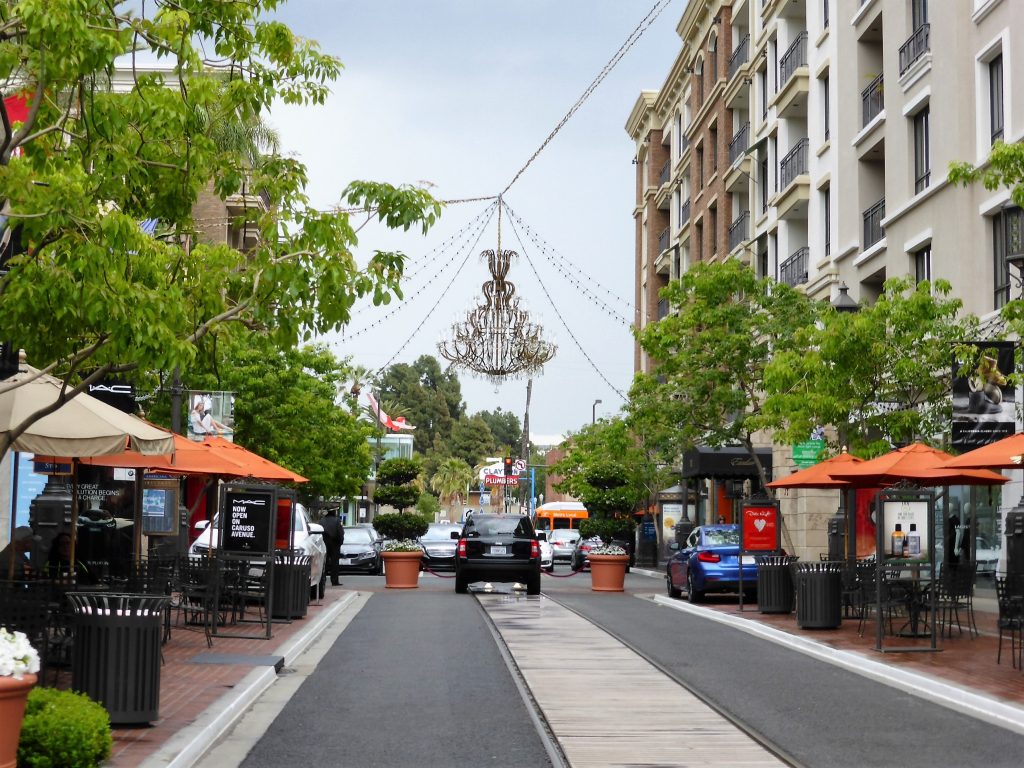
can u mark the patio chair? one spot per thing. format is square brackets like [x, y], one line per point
[1011, 620]
[955, 593]
[197, 594]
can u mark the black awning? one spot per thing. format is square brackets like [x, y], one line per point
[725, 462]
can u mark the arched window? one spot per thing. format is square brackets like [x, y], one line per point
[713, 56]
[698, 76]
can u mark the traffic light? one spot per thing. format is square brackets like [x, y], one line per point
[509, 466]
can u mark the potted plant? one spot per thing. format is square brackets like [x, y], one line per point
[396, 487]
[19, 663]
[608, 563]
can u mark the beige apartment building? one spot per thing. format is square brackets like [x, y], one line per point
[826, 129]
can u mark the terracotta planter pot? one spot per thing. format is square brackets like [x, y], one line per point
[402, 569]
[13, 694]
[608, 572]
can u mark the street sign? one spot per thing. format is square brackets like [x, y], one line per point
[501, 480]
[806, 454]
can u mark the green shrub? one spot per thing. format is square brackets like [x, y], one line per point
[400, 525]
[63, 729]
[618, 528]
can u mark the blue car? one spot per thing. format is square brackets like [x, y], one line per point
[709, 562]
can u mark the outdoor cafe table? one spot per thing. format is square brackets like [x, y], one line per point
[909, 584]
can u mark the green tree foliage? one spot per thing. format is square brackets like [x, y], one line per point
[93, 294]
[430, 397]
[506, 428]
[1004, 169]
[397, 483]
[451, 482]
[287, 409]
[880, 376]
[427, 505]
[711, 352]
[471, 440]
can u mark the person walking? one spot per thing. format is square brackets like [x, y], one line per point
[334, 537]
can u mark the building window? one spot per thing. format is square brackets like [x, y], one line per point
[919, 13]
[713, 211]
[713, 140]
[763, 76]
[826, 206]
[713, 58]
[700, 165]
[825, 105]
[698, 74]
[824, 13]
[995, 97]
[922, 151]
[923, 265]
[700, 241]
[763, 176]
[1007, 239]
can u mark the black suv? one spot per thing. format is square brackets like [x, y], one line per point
[498, 548]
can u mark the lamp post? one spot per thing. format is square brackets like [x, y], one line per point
[840, 527]
[593, 411]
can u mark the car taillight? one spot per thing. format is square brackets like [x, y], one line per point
[534, 548]
[709, 557]
[462, 547]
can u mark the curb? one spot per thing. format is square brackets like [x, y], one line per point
[953, 697]
[188, 745]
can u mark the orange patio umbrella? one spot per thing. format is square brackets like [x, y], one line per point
[1002, 454]
[189, 458]
[919, 463]
[253, 464]
[818, 476]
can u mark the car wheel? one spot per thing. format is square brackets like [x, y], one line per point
[461, 584]
[550, 569]
[693, 595]
[673, 590]
[533, 584]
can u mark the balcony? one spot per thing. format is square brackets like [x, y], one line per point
[793, 164]
[872, 101]
[915, 47]
[739, 231]
[740, 143]
[666, 173]
[684, 214]
[663, 240]
[794, 183]
[739, 57]
[873, 230]
[793, 271]
[662, 309]
[794, 79]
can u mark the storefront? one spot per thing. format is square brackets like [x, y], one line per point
[720, 478]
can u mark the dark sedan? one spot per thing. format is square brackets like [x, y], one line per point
[439, 546]
[361, 551]
[579, 560]
[498, 548]
[710, 562]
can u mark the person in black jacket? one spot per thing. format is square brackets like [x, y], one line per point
[334, 537]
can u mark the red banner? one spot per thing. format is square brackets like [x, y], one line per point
[760, 529]
[500, 480]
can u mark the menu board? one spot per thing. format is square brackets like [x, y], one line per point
[247, 521]
[159, 505]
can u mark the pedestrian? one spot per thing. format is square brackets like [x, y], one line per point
[334, 537]
[18, 552]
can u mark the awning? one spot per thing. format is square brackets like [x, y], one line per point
[725, 462]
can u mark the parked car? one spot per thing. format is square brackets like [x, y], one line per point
[308, 537]
[498, 548]
[986, 556]
[579, 560]
[361, 551]
[710, 562]
[547, 556]
[439, 546]
[563, 541]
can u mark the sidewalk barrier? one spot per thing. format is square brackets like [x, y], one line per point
[115, 659]
[775, 591]
[819, 595]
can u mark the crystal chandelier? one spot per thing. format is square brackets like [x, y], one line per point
[497, 340]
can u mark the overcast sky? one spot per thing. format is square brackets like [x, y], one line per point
[460, 93]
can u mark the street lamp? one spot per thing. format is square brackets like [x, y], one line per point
[843, 302]
[842, 520]
[593, 412]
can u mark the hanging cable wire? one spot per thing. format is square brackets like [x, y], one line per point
[417, 329]
[576, 341]
[373, 209]
[635, 35]
[570, 274]
[468, 245]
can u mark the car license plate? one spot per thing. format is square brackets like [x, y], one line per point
[748, 560]
[345, 561]
[499, 550]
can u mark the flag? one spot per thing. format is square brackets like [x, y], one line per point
[395, 424]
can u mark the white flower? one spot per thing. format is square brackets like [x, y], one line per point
[608, 549]
[17, 656]
[401, 545]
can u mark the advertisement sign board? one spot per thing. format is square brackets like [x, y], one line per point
[983, 397]
[248, 518]
[806, 454]
[211, 414]
[160, 505]
[759, 528]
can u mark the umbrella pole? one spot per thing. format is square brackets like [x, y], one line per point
[74, 516]
[14, 511]
[137, 516]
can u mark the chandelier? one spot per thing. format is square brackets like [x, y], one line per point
[497, 340]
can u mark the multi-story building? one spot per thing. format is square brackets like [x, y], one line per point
[811, 139]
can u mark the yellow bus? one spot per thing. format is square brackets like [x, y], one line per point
[559, 514]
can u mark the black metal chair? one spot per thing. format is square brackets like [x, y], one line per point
[26, 606]
[1011, 620]
[196, 594]
[954, 592]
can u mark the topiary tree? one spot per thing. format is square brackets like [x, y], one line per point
[396, 483]
[63, 729]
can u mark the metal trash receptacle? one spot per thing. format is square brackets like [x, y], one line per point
[819, 595]
[115, 659]
[291, 585]
[775, 592]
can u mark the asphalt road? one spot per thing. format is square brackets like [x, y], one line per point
[816, 714]
[416, 679]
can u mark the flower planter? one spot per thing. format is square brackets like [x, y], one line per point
[13, 694]
[402, 569]
[608, 572]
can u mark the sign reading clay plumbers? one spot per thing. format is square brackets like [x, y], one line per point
[248, 521]
[759, 528]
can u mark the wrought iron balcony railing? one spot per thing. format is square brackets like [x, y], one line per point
[684, 213]
[873, 230]
[794, 57]
[740, 143]
[872, 100]
[793, 164]
[740, 56]
[793, 271]
[739, 230]
[916, 46]
[663, 240]
[666, 170]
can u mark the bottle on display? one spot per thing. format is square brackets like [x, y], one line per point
[913, 541]
[898, 538]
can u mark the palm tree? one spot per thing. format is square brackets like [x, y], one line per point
[450, 481]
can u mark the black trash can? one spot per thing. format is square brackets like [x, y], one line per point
[291, 585]
[819, 595]
[775, 583]
[115, 659]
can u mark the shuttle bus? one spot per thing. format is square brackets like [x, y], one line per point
[559, 514]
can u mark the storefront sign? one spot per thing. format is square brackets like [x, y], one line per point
[806, 454]
[247, 521]
[51, 465]
[501, 480]
[759, 528]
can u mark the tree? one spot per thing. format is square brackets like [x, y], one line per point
[471, 440]
[505, 427]
[451, 482]
[396, 483]
[711, 351]
[1004, 168]
[92, 294]
[432, 398]
[880, 377]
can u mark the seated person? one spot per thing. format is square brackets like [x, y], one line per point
[58, 565]
[19, 551]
